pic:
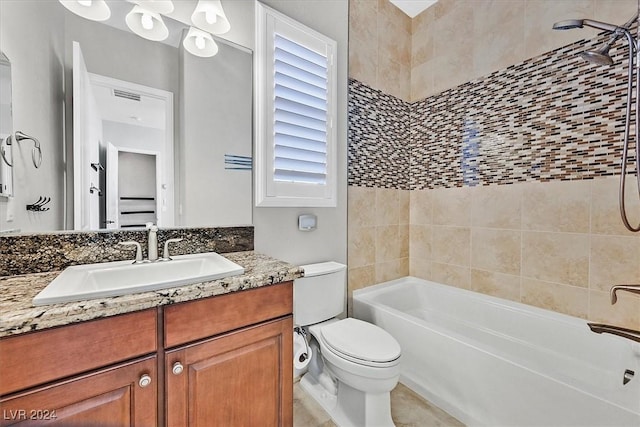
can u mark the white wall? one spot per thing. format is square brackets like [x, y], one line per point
[37, 109]
[276, 229]
[216, 119]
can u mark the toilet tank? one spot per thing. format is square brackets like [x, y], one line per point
[320, 294]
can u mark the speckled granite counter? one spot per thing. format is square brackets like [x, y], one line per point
[18, 315]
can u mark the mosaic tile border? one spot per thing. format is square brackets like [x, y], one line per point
[551, 117]
[36, 253]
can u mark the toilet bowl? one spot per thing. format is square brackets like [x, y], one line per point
[355, 364]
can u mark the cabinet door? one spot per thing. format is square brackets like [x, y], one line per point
[244, 378]
[110, 397]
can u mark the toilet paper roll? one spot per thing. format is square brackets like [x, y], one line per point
[301, 353]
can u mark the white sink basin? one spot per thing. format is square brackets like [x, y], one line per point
[110, 279]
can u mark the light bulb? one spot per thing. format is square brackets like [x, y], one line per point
[147, 21]
[210, 16]
[85, 3]
[200, 43]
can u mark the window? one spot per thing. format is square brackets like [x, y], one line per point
[296, 112]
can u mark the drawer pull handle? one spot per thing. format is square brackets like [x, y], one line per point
[145, 380]
[177, 368]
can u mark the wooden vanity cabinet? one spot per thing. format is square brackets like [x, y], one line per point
[236, 368]
[239, 379]
[217, 361]
[101, 372]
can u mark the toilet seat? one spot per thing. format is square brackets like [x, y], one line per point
[361, 342]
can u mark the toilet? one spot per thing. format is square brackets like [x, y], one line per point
[354, 364]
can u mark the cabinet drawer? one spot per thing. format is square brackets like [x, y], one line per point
[190, 321]
[40, 357]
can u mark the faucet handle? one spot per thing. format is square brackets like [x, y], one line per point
[634, 289]
[138, 249]
[165, 254]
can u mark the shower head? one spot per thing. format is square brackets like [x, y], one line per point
[599, 56]
[569, 24]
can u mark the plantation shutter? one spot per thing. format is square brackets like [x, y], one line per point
[300, 113]
[296, 85]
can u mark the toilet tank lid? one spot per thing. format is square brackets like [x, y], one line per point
[321, 268]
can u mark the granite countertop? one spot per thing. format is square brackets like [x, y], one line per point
[18, 315]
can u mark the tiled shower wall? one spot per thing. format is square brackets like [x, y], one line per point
[509, 191]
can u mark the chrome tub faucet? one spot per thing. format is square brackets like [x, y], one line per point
[634, 289]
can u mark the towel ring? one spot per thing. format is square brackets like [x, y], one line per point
[21, 136]
[2, 152]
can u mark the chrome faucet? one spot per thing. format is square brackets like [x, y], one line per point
[153, 242]
[600, 328]
[635, 289]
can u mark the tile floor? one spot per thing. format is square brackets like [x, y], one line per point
[407, 410]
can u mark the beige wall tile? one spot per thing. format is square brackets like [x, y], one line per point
[496, 250]
[363, 61]
[615, 260]
[452, 275]
[422, 46]
[391, 270]
[395, 15]
[363, 20]
[361, 277]
[422, 76]
[496, 206]
[392, 242]
[451, 206]
[556, 257]
[570, 300]
[420, 268]
[605, 213]
[540, 15]
[387, 206]
[420, 207]
[420, 242]
[498, 36]
[451, 245]
[361, 246]
[394, 40]
[615, 12]
[404, 202]
[361, 206]
[499, 285]
[393, 77]
[625, 312]
[557, 206]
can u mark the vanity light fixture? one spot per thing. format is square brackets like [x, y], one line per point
[95, 10]
[200, 43]
[209, 16]
[159, 6]
[147, 24]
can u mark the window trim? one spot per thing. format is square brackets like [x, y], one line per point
[269, 193]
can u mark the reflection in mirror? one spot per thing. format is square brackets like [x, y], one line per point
[6, 127]
[100, 168]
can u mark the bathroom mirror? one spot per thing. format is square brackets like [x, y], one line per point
[189, 166]
[6, 127]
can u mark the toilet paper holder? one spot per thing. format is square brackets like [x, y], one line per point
[300, 331]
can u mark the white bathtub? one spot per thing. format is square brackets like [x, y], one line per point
[493, 362]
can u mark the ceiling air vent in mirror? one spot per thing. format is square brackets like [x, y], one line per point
[127, 95]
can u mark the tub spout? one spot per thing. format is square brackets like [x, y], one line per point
[629, 334]
[635, 289]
